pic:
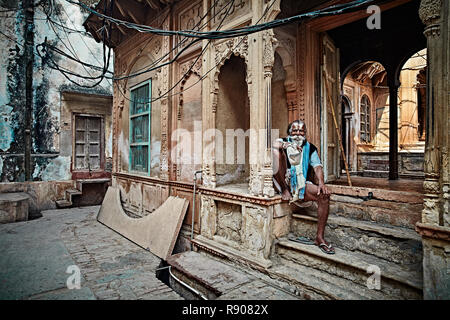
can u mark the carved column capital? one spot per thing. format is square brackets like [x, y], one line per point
[430, 11]
[430, 14]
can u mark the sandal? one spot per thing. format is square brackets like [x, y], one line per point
[328, 249]
[303, 240]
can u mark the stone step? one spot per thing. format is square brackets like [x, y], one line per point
[63, 203]
[310, 283]
[395, 244]
[397, 281]
[388, 207]
[73, 192]
[210, 277]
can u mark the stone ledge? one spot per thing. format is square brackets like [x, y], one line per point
[378, 194]
[433, 231]
[396, 232]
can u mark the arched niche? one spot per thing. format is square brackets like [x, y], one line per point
[232, 123]
[189, 127]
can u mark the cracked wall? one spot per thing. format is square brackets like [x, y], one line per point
[47, 162]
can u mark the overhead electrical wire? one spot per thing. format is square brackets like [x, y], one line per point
[204, 76]
[335, 9]
[55, 49]
[74, 52]
[217, 34]
[229, 5]
[66, 72]
[179, 44]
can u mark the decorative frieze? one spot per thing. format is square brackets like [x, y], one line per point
[225, 11]
[189, 19]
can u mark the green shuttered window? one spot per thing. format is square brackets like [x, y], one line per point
[140, 112]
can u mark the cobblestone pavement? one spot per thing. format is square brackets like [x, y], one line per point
[35, 257]
[38, 259]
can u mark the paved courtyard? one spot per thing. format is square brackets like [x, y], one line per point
[39, 258]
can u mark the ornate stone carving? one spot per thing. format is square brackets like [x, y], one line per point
[431, 187]
[430, 11]
[189, 19]
[229, 221]
[222, 12]
[237, 46]
[255, 185]
[255, 230]
[301, 73]
[270, 44]
[208, 217]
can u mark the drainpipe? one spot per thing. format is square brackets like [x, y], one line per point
[193, 206]
[29, 56]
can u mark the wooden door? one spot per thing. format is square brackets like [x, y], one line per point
[88, 151]
[329, 139]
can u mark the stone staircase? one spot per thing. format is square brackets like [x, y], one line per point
[77, 191]
[364, 249]
[378, 252]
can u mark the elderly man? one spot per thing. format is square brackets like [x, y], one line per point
[297, 160]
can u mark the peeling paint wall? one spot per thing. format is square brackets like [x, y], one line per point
[47, 161]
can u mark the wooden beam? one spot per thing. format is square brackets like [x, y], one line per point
[132, 10]
[153, 4]
[332, 22]
[120, 29]
[121, 9]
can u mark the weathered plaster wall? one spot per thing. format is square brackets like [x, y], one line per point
[190, 129]
[48, 162]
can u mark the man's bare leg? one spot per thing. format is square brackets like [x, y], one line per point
[280, 174]
[323, 202]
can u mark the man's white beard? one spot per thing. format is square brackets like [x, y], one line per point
[298, 140]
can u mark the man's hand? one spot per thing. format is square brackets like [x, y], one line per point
[321, 188]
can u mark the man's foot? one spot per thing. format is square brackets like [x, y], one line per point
[286, 195]
[325, 247]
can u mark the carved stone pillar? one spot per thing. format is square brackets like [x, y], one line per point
[291, 99]
[429, 12]
[270, 43]
[164, 81]
[434, 228]
[393, 126]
